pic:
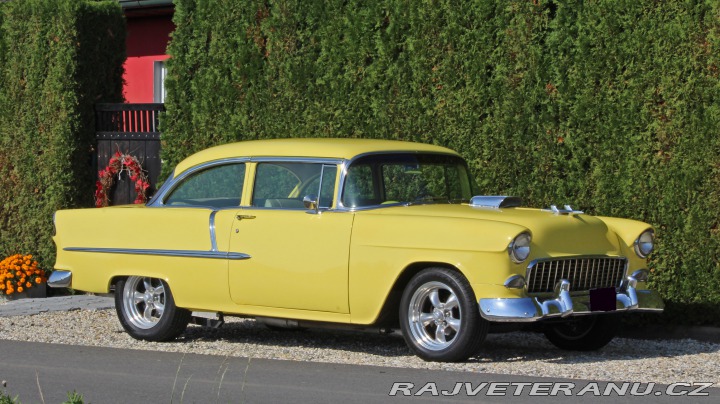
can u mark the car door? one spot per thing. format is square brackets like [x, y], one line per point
[191, 222]
[298, 256]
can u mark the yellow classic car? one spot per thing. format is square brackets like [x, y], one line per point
[359, 233]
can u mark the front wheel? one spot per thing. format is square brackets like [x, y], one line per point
[147, 311]
[586, 333]
[439, 316]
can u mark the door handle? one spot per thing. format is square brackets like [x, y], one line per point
[241, 217]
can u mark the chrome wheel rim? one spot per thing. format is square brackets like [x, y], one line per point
[434, 316]
[143, 301]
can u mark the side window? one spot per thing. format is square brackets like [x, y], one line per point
[219, 186]
[283, 185]
[327, 191]
[403, 183]
[415, 182]
[359, 187]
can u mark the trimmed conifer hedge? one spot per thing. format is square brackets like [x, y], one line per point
[60, 57]
[612, 106]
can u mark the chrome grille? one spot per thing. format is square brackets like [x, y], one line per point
[583, 273]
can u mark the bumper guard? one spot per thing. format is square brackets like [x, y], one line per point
[563, 304]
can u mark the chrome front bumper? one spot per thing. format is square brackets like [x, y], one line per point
[563, 304]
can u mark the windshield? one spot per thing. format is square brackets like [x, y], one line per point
[406, 179]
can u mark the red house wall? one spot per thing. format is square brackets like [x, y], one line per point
[147, 39]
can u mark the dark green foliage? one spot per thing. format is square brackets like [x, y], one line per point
[60, 58]
[2, 45]
[613, 106]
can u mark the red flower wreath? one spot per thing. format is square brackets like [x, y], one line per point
[118, 163]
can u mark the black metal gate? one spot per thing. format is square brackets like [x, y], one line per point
[129, 129]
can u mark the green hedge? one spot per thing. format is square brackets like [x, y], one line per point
[610, 105]
[60, 58]
[2, 44]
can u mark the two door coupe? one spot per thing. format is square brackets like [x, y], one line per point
[359, 233]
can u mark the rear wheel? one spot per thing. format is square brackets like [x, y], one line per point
[439, 316]
[147, 311]
[586, 333]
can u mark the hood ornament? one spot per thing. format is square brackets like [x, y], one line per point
[567, 210]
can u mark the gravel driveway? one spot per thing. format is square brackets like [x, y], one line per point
[519, 353]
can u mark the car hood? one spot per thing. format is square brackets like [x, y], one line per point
[552, 234]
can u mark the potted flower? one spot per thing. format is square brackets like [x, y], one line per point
[21, 277]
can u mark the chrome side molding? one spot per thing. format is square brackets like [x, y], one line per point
[166, 253]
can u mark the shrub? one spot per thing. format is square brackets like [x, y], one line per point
[60, 58]
[609, 105]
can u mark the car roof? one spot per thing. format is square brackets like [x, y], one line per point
[305, 147]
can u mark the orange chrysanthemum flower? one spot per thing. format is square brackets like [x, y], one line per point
[19, 273]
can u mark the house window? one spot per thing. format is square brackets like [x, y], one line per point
[159, 81]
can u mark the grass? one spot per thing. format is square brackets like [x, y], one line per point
[72, 398]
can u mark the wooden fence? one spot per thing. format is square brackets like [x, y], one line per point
[130, 129]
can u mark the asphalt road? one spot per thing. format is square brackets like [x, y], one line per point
[109, 375]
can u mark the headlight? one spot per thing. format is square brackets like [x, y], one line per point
[645, 243]
[519, 248]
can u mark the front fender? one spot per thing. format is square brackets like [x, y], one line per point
[383, 246]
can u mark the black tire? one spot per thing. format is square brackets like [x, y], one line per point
[586, 333]
[449, 332]
[147, 311]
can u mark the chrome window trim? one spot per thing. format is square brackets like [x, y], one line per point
[203, 207]
[343, 165]
[320, 186]
[303, 160]
[307, 160]
[163, 189]
[165, 253]
[270, 208]
[346, 163]
[172, 182]
[159, 198]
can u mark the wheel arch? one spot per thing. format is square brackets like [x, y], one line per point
[114, 279]
[388, 315]
[149, 314]
[126, 274]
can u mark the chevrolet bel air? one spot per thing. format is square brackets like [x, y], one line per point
[355, 233]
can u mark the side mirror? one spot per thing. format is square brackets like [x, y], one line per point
[311, 202]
